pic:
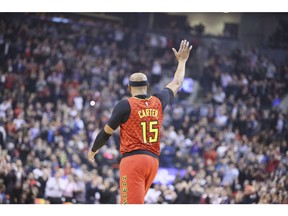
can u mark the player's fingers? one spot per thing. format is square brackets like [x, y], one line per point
[174, 51]
[186, 45]
[190, 48]
[181, 45]
[91, 157]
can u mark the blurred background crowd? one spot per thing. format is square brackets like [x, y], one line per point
[224, 136]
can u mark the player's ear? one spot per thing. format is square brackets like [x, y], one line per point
[129, 88]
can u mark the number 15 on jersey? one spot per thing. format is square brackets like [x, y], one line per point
[152, 128]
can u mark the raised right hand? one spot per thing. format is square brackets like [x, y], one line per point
[183, 52]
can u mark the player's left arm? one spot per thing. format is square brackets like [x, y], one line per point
[119, 115]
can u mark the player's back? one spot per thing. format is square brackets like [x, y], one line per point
[141, 130]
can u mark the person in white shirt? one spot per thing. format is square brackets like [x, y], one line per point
[70, 188]
[54, 188]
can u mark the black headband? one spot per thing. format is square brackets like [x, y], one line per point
[138, 83]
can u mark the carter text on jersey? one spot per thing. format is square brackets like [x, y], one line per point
[148, 112]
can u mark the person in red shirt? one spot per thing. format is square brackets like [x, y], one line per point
[140, 120]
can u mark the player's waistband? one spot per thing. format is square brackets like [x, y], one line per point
[135, 152]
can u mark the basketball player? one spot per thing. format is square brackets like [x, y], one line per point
[140, 119]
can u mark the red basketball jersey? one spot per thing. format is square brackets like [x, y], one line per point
[142, 129]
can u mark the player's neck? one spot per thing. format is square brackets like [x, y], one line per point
[139, 92]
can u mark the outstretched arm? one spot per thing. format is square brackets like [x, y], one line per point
[182, 56]
[119, 115]
[101, 139]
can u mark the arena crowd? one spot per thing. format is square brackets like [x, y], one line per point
[59, 82]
